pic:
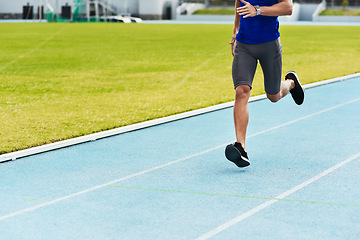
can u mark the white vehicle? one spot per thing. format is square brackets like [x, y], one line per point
[120, 19]
[135, 19]
[115, 19]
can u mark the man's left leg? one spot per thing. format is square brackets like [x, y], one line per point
[292, 85]
[285, 88]
[271, 64]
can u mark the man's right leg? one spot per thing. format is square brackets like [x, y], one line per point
[241, 113]
[243, 71]
[236, 152]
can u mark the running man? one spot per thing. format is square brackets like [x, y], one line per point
[255, 38]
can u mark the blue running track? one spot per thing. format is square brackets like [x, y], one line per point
[172, 181]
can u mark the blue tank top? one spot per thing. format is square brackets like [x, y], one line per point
[258, 29]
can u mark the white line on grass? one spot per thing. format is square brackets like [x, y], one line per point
[196, 69]
[165, 165]
[32, 49]
[270, 202]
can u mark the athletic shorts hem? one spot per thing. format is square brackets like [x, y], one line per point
[242, 84]
[273, 93]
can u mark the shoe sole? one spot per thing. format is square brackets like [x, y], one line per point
[233, 155]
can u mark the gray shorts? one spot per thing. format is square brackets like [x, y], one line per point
[245, 62]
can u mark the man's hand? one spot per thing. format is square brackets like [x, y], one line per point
[246, 11]
[233, 44]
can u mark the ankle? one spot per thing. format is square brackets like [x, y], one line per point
[292, 83]
[241, 144]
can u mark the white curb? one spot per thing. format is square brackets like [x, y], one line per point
[92, 137]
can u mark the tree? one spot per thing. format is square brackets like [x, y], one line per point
[345, 4]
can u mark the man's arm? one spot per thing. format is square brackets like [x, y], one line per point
[236, 28]
[284, 7]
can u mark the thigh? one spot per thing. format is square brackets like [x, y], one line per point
[271, 64]
[244, 66]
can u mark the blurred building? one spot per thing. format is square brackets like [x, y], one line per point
[95, 9]
[146, 9]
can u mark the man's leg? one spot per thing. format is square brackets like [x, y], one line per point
[292, 85]
[243, 71]
[241, 113]
[285, 88]
[236, 152]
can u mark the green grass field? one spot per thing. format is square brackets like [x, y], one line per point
[231, 11]
[340, 12]
[64, 80]
[215, 11]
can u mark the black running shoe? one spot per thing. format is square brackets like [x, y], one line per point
[297, 92]
[236, 154]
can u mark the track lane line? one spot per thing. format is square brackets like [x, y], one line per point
[260, 207]
[133, 127]
[17, 213]
[234, 195]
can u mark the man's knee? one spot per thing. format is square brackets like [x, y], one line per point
[274, 98]
[242, 92]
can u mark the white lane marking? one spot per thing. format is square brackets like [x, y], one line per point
[104, 185]
[108, 133]
[159, 167]
[270, 202]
